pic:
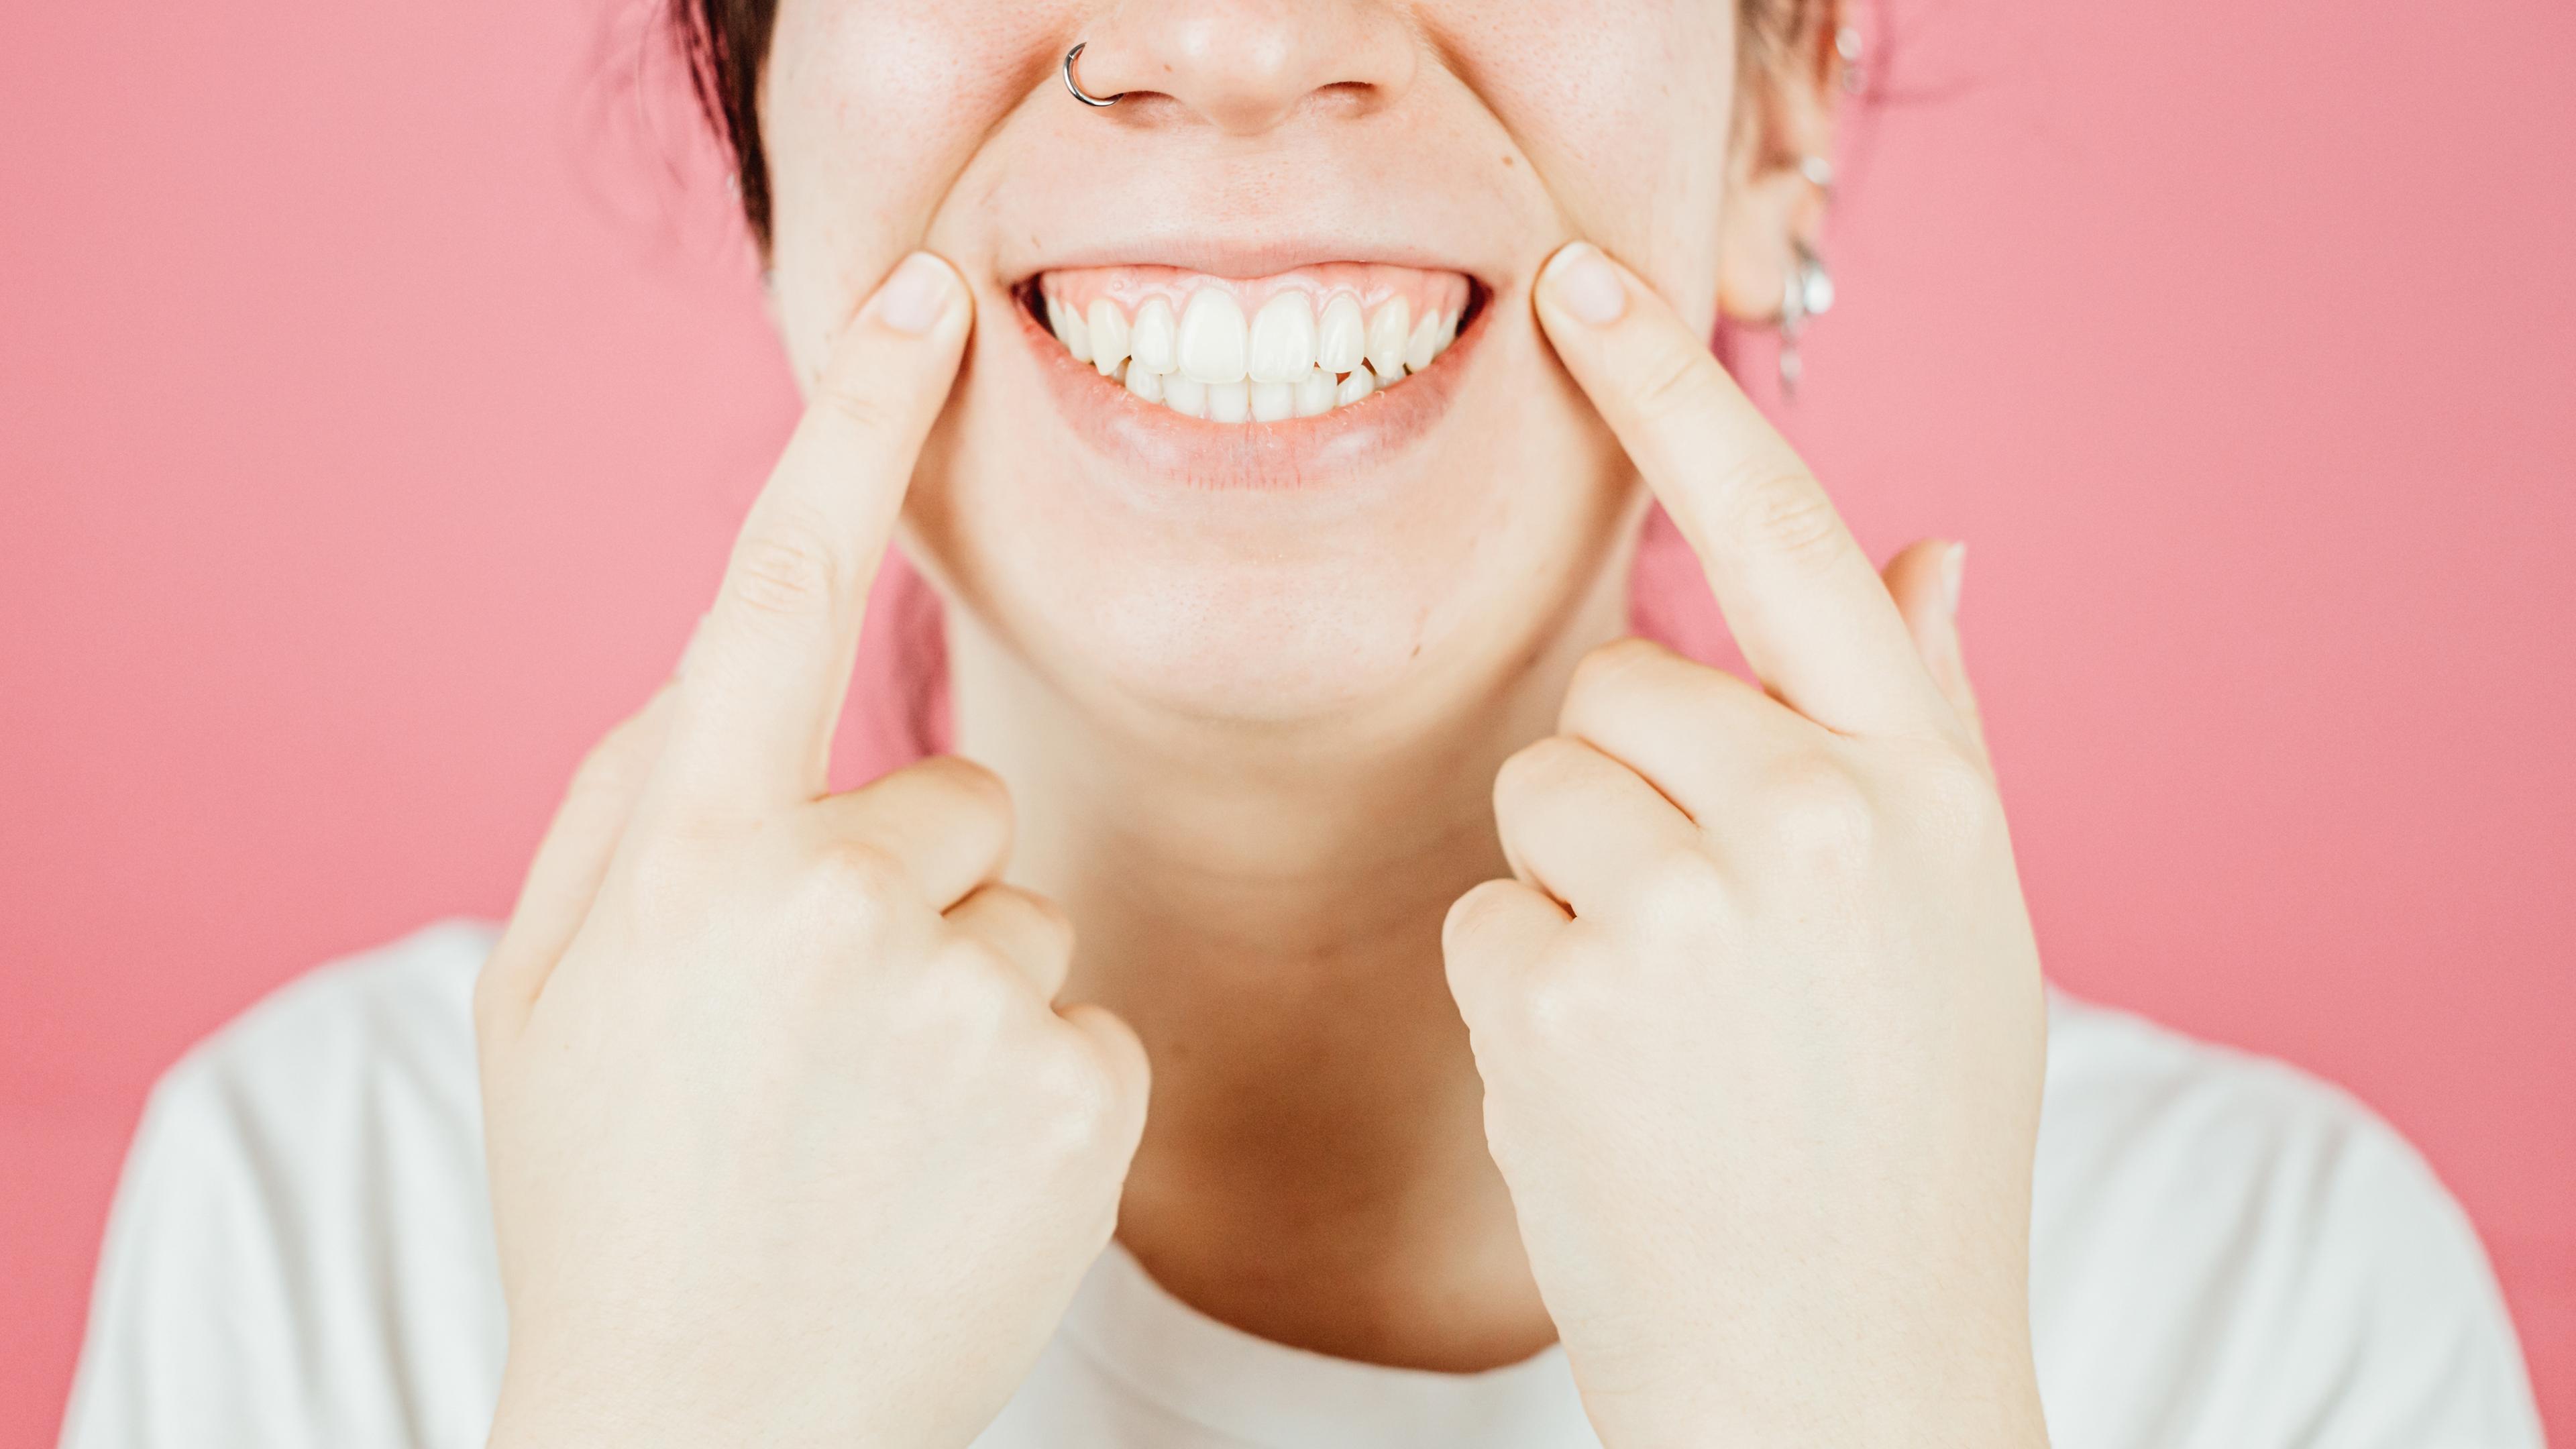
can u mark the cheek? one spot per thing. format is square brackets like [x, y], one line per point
[1624, 109]
[869, 113]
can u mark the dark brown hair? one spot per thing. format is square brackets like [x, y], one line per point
[726, 42]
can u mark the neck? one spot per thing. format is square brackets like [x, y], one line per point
[1263, 904]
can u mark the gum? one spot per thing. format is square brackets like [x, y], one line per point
[1372, 283]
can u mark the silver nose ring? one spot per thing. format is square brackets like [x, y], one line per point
[1079, 94]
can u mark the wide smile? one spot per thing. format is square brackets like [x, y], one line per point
[1267, 381]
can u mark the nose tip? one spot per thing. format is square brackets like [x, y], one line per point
[1247, 66]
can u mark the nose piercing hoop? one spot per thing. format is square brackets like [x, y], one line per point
[1079, 94]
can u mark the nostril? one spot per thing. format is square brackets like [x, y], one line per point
[1246, 66]
[1344, 98]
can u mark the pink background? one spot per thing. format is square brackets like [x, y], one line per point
[374, 411]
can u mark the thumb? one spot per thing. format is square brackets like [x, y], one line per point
[1924, 581]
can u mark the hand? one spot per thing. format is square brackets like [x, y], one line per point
[788, 1144]
[1760, 1020]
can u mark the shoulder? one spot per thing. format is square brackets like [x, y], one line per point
[361, 1069]
[299, 1251]
[397, 1018]
[2232, 1250]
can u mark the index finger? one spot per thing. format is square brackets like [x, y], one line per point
[763, 684]
[1809, 611]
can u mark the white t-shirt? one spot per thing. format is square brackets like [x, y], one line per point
[2224, 1252]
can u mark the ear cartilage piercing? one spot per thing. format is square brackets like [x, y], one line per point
[1847, 49]
[1075, 86]
[1808, 293]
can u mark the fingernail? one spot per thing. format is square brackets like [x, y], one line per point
[1954, 567]
[1583, 282]
[917, 295]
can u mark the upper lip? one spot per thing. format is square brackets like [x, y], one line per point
[1235, 256]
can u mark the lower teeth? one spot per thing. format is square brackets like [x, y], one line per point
[1258, 402]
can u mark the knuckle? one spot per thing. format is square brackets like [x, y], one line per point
[1567, 1013]
[854, 402]
[1546, 764]
[1609, 667]
[1475, 933]
[1474, 913]
[1673, 379]
[977, 987]
[1785, 513]
[1819, 815]
[1073, 1088]
[786, 567]
[957, 1011]
[973, 787]
[857, 882]
[664, 874]
[1954, 796]
[610, 768]
[1048, 923]
[1676, 890]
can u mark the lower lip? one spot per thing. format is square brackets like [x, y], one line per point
[1157, 444]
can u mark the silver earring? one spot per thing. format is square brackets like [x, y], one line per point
[1808, 293]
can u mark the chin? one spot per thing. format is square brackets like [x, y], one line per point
[1261, 625]
[1258, 646]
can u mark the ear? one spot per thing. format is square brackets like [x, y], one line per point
[1779, 167]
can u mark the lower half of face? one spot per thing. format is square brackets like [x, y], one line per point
[1256, 423]
[1279, 551]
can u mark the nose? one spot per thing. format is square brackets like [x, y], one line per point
[1246, 66]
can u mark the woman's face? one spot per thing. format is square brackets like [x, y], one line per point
[1348, 156]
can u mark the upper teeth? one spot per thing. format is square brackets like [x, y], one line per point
[1210, 363]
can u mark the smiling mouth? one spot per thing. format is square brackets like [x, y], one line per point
[1298, 344]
